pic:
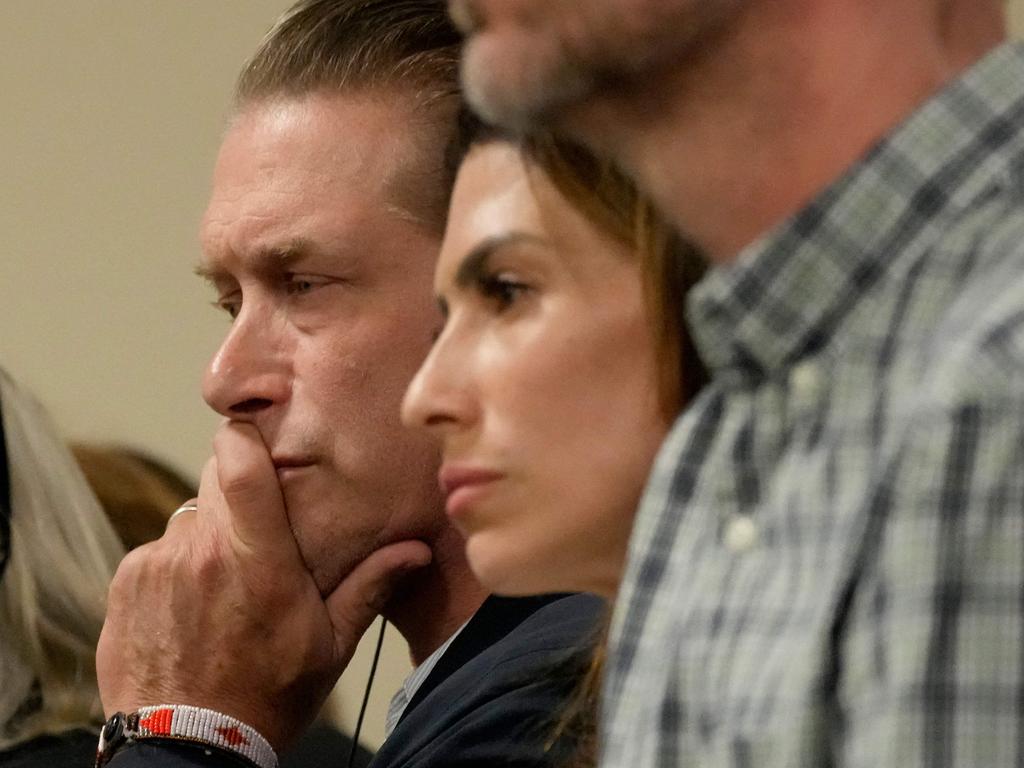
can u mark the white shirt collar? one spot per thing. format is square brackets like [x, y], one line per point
[413, 682]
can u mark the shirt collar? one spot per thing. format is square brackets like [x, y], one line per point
[412, 683]
[786, 293]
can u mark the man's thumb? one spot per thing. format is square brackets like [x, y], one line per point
[362, 595]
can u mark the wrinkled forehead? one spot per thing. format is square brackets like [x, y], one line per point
[378, 148]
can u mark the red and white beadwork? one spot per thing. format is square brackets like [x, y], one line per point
[178, 721]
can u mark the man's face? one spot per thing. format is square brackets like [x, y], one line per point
[314, 247]
[527, 61]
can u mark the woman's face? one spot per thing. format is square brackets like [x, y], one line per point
[542, 385]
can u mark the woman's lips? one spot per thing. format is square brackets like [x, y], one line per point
[463, 486]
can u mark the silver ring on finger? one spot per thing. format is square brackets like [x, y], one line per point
[187, 507]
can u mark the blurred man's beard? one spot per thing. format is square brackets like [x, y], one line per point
[534, 85]
[537, 98]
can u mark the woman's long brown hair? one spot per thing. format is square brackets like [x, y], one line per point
[669, 268]
[668, 265]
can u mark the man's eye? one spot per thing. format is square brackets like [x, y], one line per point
[501, 290]
[299, 286]
[296, 285]
[229, 305]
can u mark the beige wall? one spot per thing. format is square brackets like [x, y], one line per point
[110, 114]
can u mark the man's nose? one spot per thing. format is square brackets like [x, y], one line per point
[250, 371]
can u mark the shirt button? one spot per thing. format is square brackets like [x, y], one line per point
[741, 533]
[806, 380]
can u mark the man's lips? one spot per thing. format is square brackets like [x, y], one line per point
[463, 484]
[287, 465]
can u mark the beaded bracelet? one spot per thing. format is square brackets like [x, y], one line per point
[191, 724]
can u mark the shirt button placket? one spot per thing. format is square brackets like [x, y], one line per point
[741, 534]
[806, 381]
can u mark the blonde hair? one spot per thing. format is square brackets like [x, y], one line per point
[63, 555]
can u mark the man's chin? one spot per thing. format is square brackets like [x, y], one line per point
[465, 16]
[329, 576]
[520, 87]
[330, 563]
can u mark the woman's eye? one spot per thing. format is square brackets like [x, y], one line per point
[502, 290]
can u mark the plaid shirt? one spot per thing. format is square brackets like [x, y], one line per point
[827, 568]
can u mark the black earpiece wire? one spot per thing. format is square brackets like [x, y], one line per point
[366, 693]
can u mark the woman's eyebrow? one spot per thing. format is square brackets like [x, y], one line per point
[476, 263]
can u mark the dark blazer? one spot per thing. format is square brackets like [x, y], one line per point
[324, 746]
[492, 700]
[495, 696]
[71, 749]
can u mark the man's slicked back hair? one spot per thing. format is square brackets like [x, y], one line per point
[340, 45]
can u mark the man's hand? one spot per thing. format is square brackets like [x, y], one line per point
[222, 613]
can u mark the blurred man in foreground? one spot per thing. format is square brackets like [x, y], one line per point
[827, 568]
